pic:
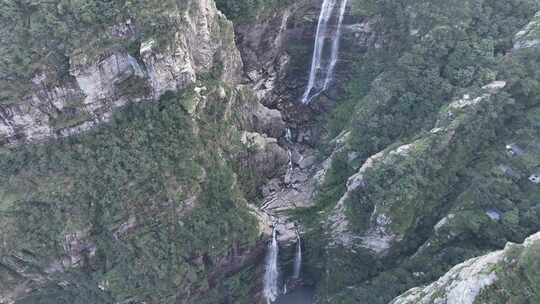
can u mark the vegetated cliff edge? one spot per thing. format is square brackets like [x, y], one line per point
[120, 152]
[126, 212]
[432, 149]
[509, 275]
[200, 41]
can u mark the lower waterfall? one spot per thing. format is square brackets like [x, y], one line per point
[271, 276]
[298, 258]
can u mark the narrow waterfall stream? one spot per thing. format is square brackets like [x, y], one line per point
[320, 78]
[276, 286]
[321, 72]
[334, 55]
[271, 275]
[290, 165]
[298, 257]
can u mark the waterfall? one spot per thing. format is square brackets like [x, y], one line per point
[288, 135]
[271, 275]
[317, 71]
[298, 257]
[290, 165]
[324, 17]
[335, 47]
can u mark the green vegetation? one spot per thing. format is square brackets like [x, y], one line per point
[433, 53]
[518, 278]
[244, 10]
[40, 36]
[153, 201]
[429, 57]
[161, 214]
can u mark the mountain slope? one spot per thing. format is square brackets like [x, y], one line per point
[509, 275]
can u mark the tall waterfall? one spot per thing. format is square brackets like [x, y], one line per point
[322, 71]
[335, 46]
[298, 257]
[271, 275]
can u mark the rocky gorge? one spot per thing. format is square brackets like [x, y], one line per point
[171, 156]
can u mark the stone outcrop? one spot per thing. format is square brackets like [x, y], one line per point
[466, 281]
[530, 36]
[392, 219]
[259, 118]
[203, 43]
[266, 155]
[262, 46]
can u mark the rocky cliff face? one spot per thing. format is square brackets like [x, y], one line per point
[185, 94]
[276, 50]
[135, 177]
[202, 44]
[391, 220]
[417, 202]
[486, 279]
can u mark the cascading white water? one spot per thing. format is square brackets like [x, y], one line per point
[271, 275]
[298, 257]
[290, 166]
[316, 83]
[324, 17]
[288, 135]
[335, 47]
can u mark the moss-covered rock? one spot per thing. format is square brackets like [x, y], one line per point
[143, 63]
[509, 275]
[134, 205]
[530, 35]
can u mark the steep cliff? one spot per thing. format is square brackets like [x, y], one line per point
[120, 173]
[148, 149]
[139, 68]
[509, 275]
[430, 151]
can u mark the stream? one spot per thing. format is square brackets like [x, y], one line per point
[295, 188]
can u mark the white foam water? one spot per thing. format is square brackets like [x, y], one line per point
[322, 69]
[298, 257]
[271, 276]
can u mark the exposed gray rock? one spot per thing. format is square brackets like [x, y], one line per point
[257, 117]
[204, 41]
[262, 48]
[167, 73]
[381, 234]
[100, 82]
[530, 36]
[268, 121]
[266, 155]
[464, 282]
[295, 190]
[307, 162]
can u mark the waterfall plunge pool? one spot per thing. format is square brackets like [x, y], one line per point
[302, 295]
